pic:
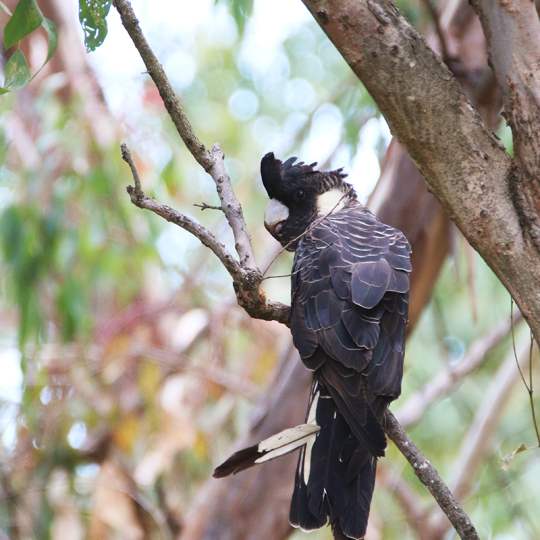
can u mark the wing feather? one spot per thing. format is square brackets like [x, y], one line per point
[349, 313]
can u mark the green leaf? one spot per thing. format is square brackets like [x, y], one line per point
[25, 19]
[17, 72]
[93, 19]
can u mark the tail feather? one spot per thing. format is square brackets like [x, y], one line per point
[275, 446]
[339, 486]
[335, 475]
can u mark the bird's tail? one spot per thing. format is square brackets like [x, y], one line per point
[335, 475]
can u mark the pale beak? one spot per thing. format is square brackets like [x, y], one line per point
[275, 216]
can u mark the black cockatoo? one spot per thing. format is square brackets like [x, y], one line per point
[350, 289]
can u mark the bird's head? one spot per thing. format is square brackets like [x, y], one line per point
[299, 194]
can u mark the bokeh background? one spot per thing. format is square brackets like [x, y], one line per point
[126, 369]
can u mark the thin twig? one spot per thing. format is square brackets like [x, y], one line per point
[246, 282]
[204, 206]
[126, 156]
[213, 160]
[170, 99]
[528, 386]
[531, 400]
[170, 214]
[290, 274]
[514, 346]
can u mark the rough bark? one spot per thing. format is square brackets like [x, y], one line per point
[512, 28]
[463, 163]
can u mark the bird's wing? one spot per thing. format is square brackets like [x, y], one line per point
[350, 290]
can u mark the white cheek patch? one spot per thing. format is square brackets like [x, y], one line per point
[275, 213]
[331, 201]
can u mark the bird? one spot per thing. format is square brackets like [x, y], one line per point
[349, 310]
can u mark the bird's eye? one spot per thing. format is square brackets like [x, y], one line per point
[300, 194]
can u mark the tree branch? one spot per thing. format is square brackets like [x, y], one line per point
[212, 161]
[429, 476]
[417, 95]
[512, 28]
[246, 282]
[138, 198]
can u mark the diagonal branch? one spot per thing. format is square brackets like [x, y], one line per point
[138, 198]
[429, 476]
[246, 282]
[212, 160]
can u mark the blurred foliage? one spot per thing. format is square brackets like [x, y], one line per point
[128, 369]
[26, 18]
[240, 10]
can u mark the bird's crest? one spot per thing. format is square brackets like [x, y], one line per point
[276, 173]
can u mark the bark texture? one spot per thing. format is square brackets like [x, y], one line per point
[463, 163]
[512, 28]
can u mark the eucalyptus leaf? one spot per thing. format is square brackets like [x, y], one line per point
[93, 19]
[25, 19]
[16, 71]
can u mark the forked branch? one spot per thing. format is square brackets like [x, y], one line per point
[246, 281]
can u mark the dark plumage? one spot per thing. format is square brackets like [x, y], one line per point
[350, 284]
